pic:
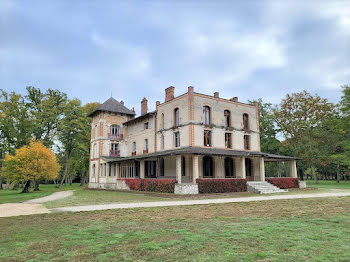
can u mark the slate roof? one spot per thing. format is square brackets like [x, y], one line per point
[140, 117]
[113, 106]
[205, 151]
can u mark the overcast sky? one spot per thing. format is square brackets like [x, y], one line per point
[249, 49]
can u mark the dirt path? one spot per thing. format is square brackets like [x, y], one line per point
[20, 209]
[195, 202]
[52, 197]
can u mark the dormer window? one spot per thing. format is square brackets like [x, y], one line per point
[146, 125]
[176, 117]
[206, 115]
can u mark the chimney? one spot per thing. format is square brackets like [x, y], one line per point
[216, 94]
[157, 103]
[234, 99]
[169, 93]
[144, 106]
[122, 102]
[190, 89]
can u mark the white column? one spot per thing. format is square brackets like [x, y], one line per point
[142, 169]
[178, 169]
[241, 168]
[117, 171]
[195, 168]
[262, 169]
[293, 168]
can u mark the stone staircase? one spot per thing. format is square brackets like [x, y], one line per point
[263, 187]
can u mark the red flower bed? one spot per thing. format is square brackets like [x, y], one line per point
[208, 185]
[284, 182]
[151, 184]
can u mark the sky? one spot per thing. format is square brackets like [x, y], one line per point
[135, 49]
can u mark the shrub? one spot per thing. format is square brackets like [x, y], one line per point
[208, 185]
[284, 182]
[151, 184]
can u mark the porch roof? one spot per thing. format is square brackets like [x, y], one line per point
[204, 151]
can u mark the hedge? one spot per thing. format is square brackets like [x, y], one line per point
[209, 185]
[152, 185]
[284, 182]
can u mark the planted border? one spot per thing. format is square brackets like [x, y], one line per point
[222, 185]
[151, 185]
[284, 182]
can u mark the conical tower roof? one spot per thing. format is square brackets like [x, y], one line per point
[113, 106]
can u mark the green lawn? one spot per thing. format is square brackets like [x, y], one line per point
[327, 184]
[286, 230]
[15, 196]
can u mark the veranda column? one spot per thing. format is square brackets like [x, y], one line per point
[242, 167]
[117, 171]
[293, 168]
[262, 169]
[195, 168]
[107, 172]
[178, 169]
[142, 169]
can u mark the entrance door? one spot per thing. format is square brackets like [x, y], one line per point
[249, 169]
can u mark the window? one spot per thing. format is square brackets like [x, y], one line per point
[246, 142]
[96, 131]
[248, 167]
[114, 146]
[109, 169]
[145, 125]
[228, 140]
[94, 152]
[101, 169]
[177, 139]
[146, 146]
[229, 167]
[162, 166]
[134, 147]
[176, 117]
[183, 166]
[208, 167]
[162, 123]
[115, 130]
[207, 138]
[150, 168]
[93, 170]
[227, 115]
[114, 169]
[162, 141]
[246, 122]
[206, 115]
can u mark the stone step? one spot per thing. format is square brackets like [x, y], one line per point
[263, 187]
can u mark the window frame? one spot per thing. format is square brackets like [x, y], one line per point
[207, 138]
[228, 140]
[177, 139]
[211, 166]
[176, 117]
[227, 116]
[246, 126]
[206, 115]
[246, 140]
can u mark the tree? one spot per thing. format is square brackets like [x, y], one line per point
[297, 116]
[30, 163]
[70, 132]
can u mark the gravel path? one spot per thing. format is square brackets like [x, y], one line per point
[195, 202]
[54, 196]
[16, 209]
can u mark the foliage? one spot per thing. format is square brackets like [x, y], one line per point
[221, 185]
[151, 185]
[284, 182]
[30, 163]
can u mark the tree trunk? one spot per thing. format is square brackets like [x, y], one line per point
[36, 185]
[65, 170]
[82, 179]
[338, 174]
[15, 186]
[26, 187]
[0, 182]
[7, 184]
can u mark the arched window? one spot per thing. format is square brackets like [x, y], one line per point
[162, 121]
[227, 115]
[208, 167]
[246, 142]
[248, 168]
[162, 167]
[245, 122]
[146, 145]
[229, 167]
[162, 141]
[176, 117]
[206, 115]
[134, 148]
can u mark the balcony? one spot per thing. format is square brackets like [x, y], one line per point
[115, 136]
[145, 151]
[114, 153]
[133, 153]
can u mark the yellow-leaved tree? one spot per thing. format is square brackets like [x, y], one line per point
[31, 163]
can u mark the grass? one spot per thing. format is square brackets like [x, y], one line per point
[15, 196]
[329, 184]
[283, 230]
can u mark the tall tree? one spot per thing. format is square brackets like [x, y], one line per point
[297, 116]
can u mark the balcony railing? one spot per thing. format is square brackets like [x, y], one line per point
[114, 153]
[115, 136]
[145, 151]
[133, 153]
